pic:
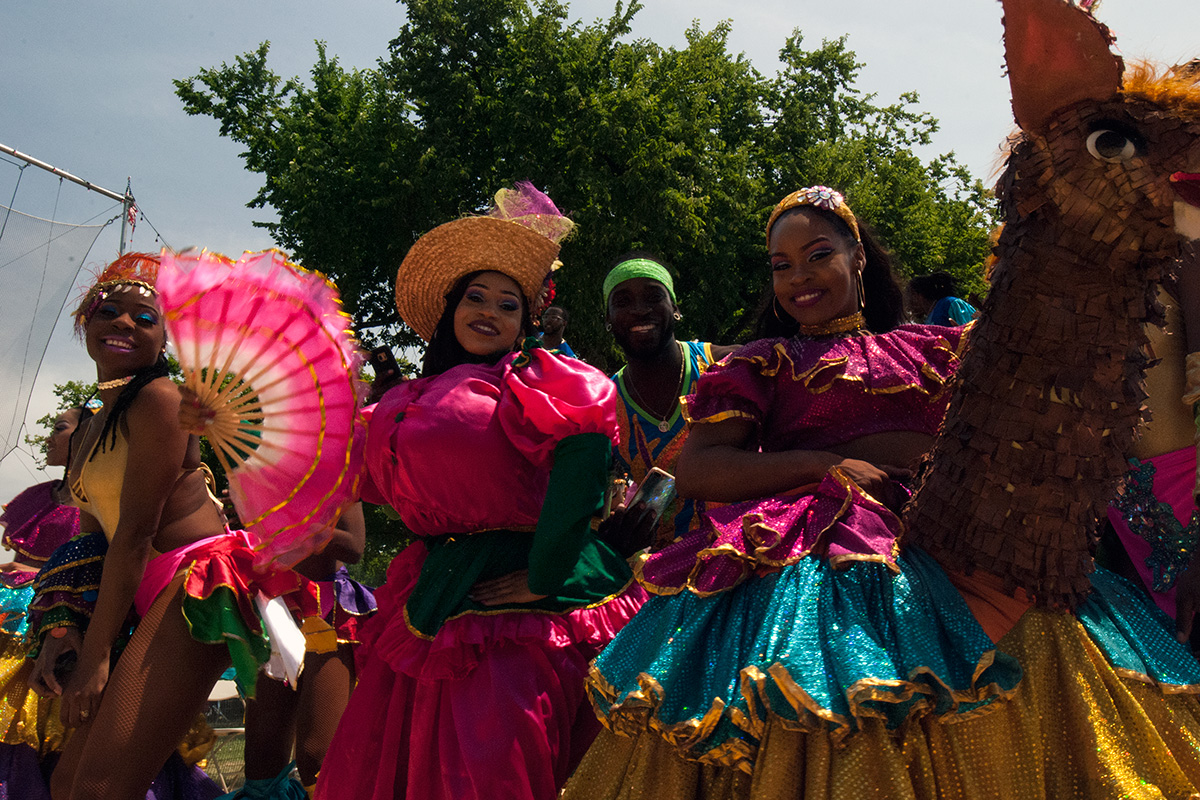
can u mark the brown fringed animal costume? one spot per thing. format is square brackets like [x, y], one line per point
[1050, 393]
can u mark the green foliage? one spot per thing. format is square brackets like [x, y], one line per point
[681, 151]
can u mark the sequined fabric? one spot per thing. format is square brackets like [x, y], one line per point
[67, 586]
[35, 524]
[808, 395]
[812, 394]
[1073, 730]
[816, 648]
[836, 521]
[1136, 637]
[25, 718]
[1156, 520]
[14, 601]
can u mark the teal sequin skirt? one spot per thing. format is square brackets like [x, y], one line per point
[815, 647]
[1135, 635]
[14, 602]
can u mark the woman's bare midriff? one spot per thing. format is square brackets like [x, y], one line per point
[188, 515]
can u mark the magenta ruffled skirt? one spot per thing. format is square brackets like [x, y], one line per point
[493, 706]
[835, 520]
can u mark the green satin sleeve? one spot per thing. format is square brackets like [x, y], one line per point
[574, 495]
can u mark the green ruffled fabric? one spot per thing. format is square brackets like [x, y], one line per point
[565, 560]
[217, 619]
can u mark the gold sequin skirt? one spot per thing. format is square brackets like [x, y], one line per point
[25, 718]
[1073, 729]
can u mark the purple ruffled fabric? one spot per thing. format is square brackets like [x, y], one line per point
[21, 778]
[811, 394]
[837, 521]
[36, 524]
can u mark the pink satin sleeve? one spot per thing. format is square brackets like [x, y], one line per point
[551, 398]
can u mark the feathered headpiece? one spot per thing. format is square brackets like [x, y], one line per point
[132, 271]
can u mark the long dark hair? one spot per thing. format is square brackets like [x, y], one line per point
[444, 350]
[143, 376]
[884, 308]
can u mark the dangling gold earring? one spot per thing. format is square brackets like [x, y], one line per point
[775, 308]
[862, 294]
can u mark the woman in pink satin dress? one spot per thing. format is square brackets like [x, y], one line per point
[471, 674]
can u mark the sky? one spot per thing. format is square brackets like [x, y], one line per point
[87, 88]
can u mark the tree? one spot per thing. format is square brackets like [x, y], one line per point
[680, 151]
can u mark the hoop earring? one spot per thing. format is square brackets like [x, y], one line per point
[775, 308]
[862, 294]
[677, 316]
[608, 326]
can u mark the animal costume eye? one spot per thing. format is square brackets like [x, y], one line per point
[1110, 145]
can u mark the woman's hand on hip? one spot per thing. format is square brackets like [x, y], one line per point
[510, 588]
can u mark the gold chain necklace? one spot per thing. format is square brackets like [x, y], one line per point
[114, 383]
[663, 424]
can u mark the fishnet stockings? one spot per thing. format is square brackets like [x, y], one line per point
[157, 687]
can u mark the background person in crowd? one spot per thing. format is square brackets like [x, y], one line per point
[554, 327]
[641, 313]
[1154, 523]
[933, 299]
[36, 522]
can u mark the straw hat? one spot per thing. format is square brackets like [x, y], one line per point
[524, 249]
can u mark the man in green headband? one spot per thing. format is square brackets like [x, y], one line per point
[641, 312]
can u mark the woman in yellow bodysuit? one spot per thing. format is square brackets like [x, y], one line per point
[137, 477]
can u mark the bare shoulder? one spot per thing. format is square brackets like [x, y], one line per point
[157, 403]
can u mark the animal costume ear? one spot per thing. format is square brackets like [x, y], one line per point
[1057, 54]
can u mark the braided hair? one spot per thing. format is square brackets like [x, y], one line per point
[159, 369]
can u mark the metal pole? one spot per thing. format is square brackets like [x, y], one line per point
[126, 204]
[64, 174]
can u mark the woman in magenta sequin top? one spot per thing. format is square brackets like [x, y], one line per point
[792, 608]
[41, 518]
[819, 395]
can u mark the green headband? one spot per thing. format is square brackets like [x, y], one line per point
[637, 268]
